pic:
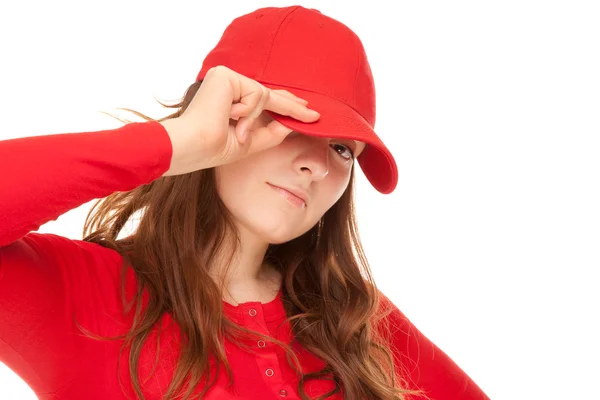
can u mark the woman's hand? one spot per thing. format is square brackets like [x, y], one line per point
[222, 125]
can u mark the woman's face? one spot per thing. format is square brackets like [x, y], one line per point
[318, 167]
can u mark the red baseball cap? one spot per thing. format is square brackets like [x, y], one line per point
[319, 59]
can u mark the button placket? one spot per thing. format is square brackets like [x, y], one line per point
[267, 360]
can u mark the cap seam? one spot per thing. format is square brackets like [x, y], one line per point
[355, 77]
[283, 20]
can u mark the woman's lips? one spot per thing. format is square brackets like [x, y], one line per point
[289, 196]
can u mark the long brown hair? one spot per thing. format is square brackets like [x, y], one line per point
[330, 297]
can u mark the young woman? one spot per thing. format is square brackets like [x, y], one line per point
[245, 278]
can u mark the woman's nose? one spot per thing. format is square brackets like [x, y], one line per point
[314, 160]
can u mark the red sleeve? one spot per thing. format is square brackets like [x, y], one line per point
[43, 177]
[47, 280]
[428, 367]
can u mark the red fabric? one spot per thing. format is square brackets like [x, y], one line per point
[47, 280]
[316, 58]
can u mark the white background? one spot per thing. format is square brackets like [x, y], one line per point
[490, 244]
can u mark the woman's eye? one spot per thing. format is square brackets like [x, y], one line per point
[342, 149]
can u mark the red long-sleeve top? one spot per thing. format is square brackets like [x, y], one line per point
[46, 280]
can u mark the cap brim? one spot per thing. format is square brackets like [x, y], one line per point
[338, 120]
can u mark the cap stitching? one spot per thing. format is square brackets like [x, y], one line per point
[314, 91]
